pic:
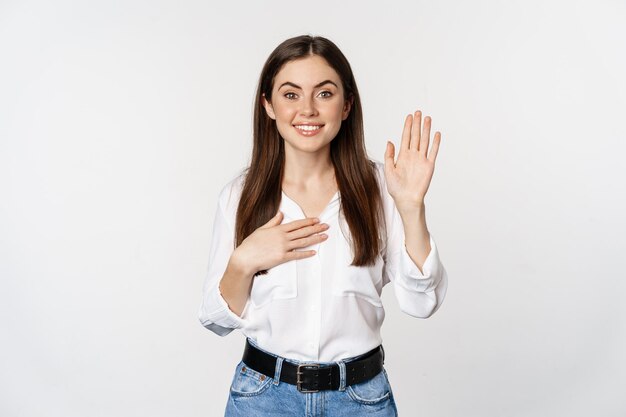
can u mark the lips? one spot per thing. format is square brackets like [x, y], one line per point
[306, 129]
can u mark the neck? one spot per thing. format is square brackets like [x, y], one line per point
[306, 170]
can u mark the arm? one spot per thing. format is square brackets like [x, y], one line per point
[412, 260]
[417, 238]
[225, 283]
[419, 278]
[230, 276]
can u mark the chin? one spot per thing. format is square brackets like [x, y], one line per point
[306, 146]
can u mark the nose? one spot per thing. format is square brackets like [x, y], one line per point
[308, 107]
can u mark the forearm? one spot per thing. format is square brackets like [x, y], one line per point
[235, 286]
[416, 235]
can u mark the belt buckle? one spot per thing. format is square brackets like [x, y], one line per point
[299, 372]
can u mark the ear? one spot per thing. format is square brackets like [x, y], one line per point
[346, 108]
[268, 107]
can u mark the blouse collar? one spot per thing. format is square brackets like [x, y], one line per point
[295, 212]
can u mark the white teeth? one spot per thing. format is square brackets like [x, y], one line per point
[309, 128]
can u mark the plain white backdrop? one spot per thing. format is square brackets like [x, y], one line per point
[121, 120]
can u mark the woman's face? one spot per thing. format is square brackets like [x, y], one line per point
[308, 103]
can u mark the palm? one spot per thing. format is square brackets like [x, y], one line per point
[409, 177]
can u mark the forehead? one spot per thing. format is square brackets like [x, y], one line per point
[306, 72]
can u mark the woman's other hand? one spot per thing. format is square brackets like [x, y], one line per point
[409, 177]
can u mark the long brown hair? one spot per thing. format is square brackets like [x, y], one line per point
[355, 172]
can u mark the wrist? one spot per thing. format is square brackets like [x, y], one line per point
[240, 267]
[411, 207]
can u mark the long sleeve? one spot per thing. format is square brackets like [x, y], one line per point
[214, 313]
[419, 293]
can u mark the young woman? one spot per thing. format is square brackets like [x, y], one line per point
[307, 236]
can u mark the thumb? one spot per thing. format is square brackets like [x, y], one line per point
[389, 151]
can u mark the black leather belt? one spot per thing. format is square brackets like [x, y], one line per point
[312, 377]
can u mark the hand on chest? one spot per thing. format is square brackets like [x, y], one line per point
[327, 272]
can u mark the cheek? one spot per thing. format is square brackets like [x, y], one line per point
[283, 112]
[336, 110]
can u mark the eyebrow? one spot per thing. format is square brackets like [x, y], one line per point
[316, 86]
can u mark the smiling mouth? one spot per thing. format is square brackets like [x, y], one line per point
[308, 128]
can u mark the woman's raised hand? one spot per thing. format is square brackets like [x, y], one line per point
[274, 243]
[409, 177]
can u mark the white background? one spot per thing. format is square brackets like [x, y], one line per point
[121, 120]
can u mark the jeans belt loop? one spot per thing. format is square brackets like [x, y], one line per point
[342, 375]
[279, 366]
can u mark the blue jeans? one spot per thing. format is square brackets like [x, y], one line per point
[254, 394]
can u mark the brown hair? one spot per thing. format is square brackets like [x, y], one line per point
[355, 172]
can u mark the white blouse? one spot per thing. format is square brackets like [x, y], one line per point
[320, 308]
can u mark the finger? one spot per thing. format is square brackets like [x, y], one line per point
[406, 134]
[432, 156]
[306, 241]
[299, 254]
[307, 231]
[424, 141]
[278, 217]
[297, 224]
[415, 131]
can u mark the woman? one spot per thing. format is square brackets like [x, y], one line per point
[307, 236]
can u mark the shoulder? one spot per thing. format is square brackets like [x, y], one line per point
[387, 200]
[380, 167]
[380, 173]
[230, 193]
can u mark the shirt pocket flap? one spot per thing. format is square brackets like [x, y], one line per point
[364, 282]
[280, 282]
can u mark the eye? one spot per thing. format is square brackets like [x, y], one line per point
[327, 92]
[288, 94]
